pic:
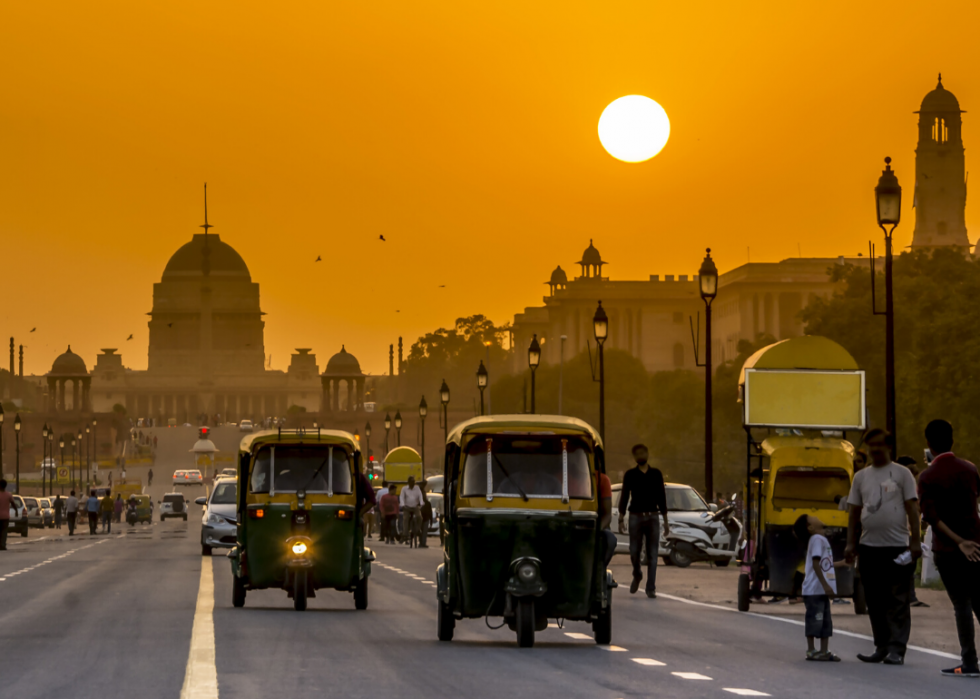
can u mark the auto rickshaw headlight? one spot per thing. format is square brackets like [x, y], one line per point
[299, 548]
[527, 572]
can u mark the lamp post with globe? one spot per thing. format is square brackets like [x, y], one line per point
[888, 203]
[708, 286]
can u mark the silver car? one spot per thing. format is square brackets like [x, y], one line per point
[219, 524]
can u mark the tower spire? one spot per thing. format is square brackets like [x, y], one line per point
[206, 225]
[206, 253]
[940, 81]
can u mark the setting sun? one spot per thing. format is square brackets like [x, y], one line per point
[634, 128]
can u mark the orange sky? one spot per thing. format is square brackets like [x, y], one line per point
[463, 132]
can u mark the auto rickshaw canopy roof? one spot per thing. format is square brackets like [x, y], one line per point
[811, 352]
[798, 448]
[557, 424]
[403, 455]
[301, 436]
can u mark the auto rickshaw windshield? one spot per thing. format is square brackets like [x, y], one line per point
[807, 487]
[313, 468]
[526, 466]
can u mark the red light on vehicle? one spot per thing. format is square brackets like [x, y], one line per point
[345, 514]
[256, 514]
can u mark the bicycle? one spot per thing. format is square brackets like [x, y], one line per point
[413, 518]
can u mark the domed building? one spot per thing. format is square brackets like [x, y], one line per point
[344, 368]
[68, 368]
[206, 347]
[940, 173]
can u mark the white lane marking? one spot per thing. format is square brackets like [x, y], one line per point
[201, 675]
[745, 692]
[690, 676]
[612, 648]
[851, 634]
[578, 636]
[649, 662]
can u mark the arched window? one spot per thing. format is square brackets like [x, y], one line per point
[678, 356]
[940, 131]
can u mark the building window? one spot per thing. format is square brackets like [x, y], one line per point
[940, 132]
[678, 356]
[678, 318]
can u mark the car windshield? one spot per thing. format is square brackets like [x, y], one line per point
[685, 500]
[224, 493]
[173, 498]
[301, 467]
[31, 502]
[526, 465]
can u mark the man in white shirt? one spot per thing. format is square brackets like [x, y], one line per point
[410, 502]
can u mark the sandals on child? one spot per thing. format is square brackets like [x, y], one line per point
[822, 657]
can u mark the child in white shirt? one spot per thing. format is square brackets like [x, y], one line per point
[819, 586]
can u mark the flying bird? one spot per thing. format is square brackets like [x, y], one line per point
[129, 338]
[318, 259]
[382, 239]
[397, 311]
[442, 286]
[170, 325]
[33, 329]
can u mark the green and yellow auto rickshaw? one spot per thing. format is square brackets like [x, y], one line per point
[523, 540]
[298, 524]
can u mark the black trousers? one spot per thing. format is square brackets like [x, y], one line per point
[71, 523]
[645, 528]
[962, 580]
[886, 589]
[4, 524]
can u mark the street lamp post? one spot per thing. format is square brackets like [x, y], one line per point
[61, 443]
[423, 411]
[44, 456]
[367, 442]
[600, 326]
[444, 397]
[51, 455]
[533, 359]
[398, 428]
[387, 430]
[708, 282]
[888, 202]
[17, 448]
[95, 441]
[561, 370]
[81, 455]
[481, 381]
[74, 462]
[88, 448]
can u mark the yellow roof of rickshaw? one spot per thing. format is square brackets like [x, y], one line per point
[301, 436]
[559, 424]
[772, 445]
[808, 352]
[402, 455]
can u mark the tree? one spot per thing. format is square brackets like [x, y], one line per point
[936, 346]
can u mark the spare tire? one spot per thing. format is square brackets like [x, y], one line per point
[178, 505]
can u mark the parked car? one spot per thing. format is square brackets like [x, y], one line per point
[684, 505]
[245, 426]
[173, 505]
[47, 510]
[220, 520]
[18, 516]
[35, 515]
[188, 477]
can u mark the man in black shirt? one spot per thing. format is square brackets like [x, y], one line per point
[645, 485]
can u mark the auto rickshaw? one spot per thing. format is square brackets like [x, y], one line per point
[298, 523]
[522, 536]
[144, 508]
[807, 392]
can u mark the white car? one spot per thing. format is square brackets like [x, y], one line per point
[684, 504]
[188, 477]
[245, 426]
[173, 505]
[219, 523]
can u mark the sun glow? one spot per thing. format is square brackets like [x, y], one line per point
[634, 128]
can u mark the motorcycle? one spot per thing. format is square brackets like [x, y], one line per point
[716, 539]
[131, 516]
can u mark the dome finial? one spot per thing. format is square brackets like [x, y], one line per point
[940, 85]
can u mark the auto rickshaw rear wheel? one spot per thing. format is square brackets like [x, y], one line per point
[602, 626]
[743, 592]
[299, 591]
[447, 622]
[238, 592]
[525, 622]
[361, 594]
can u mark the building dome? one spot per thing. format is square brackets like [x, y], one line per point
[343, 364]
[188, 260]
[940, 100]
[591, 256]
[69, 364]
[559, 276]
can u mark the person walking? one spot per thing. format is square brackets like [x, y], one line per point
[59, 505]
[106, 507]
[92, 509]
[644, 485]
[71, 508]
[948, 491]
[149, 478]
[389, 511]
[6, 502]
[117, 508]
[410, 503]
[884, 507]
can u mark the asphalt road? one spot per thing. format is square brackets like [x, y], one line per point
[90, 616]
